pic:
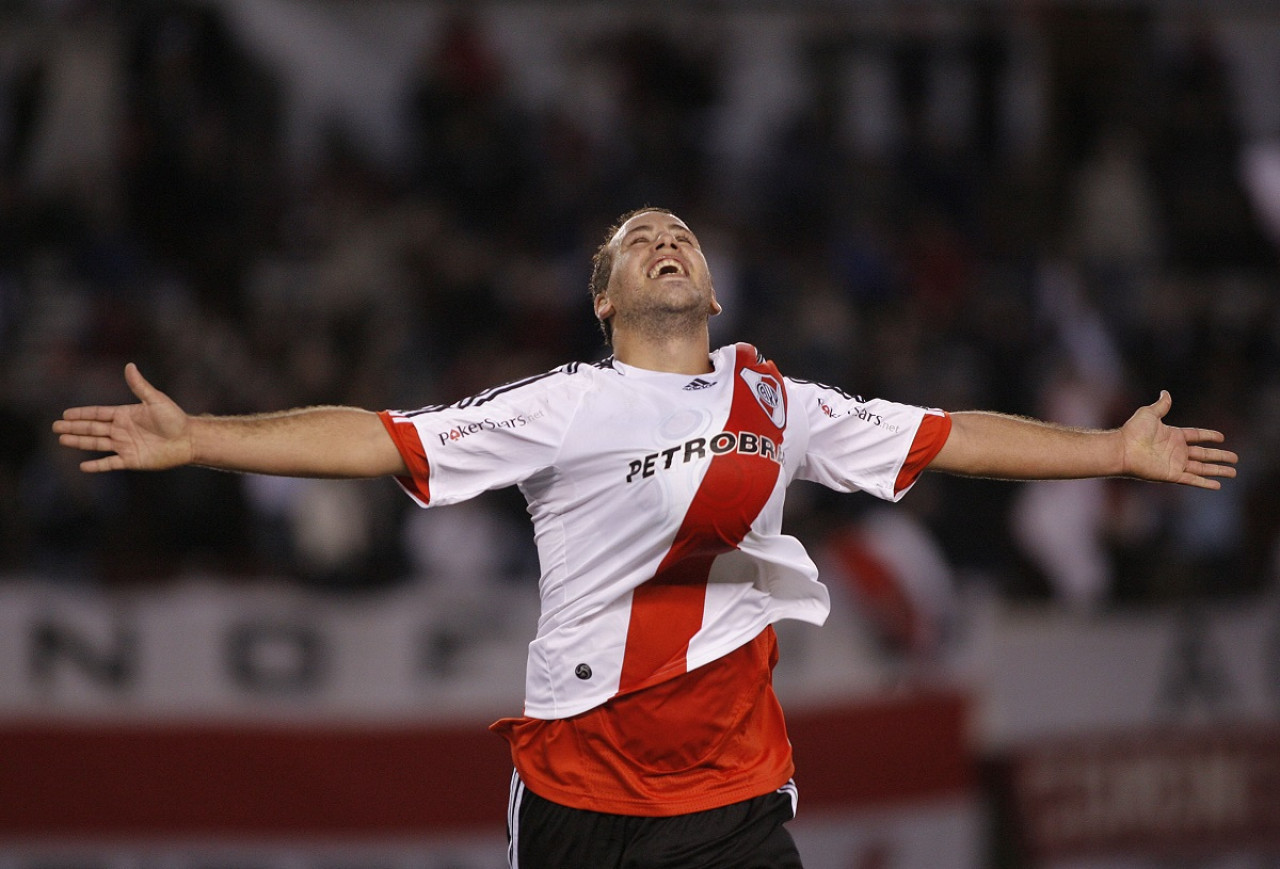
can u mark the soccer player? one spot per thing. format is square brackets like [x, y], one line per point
[651, 735]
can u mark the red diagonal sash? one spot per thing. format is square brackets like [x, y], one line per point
[666, 611]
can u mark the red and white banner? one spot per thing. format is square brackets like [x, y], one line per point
[891, 776]
[209, 726]
[1162, 793]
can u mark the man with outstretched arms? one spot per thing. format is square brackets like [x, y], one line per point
[651, 735]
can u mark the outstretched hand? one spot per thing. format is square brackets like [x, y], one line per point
[1155, 451]
[152, 435]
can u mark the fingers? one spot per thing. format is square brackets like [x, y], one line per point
[106, 463]
[91, 437]
[91, 427]
[89, 443]
[139, 385]
[91, 434]
[94, 412]
[1204, 469]
[1202, 435]
[1162, 404]
[1206, 463]
[1209, 454]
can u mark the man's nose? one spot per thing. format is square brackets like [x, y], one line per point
[666, 238]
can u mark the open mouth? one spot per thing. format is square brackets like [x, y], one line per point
[665, 267]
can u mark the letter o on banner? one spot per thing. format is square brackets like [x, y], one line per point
[276, 657]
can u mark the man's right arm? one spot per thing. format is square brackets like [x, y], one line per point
[156, 434]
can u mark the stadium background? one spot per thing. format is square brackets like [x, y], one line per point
[1052, 208]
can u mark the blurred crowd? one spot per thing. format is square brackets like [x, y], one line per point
[1041, 212]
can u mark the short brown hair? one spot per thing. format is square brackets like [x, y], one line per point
[602, 262]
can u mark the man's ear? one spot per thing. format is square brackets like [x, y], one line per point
[715, 306]
[604, 307]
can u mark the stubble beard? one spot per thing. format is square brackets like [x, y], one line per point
[663, 319]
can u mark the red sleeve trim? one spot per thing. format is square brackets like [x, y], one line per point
[405, 436]
[933, 432]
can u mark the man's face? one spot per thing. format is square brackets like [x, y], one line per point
[658, 269]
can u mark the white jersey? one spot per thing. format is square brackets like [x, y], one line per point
[656, 501]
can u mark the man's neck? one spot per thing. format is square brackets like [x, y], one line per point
[676, 355]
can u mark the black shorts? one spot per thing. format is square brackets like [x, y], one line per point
[746, 835]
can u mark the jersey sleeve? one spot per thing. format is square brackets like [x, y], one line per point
[488, 441]
[868, 445]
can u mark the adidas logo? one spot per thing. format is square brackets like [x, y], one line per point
[697, 383]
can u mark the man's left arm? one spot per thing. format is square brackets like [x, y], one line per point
[1015, 448]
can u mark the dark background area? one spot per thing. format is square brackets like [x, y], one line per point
[1043, 209]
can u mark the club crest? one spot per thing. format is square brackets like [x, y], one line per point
[767, 390]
